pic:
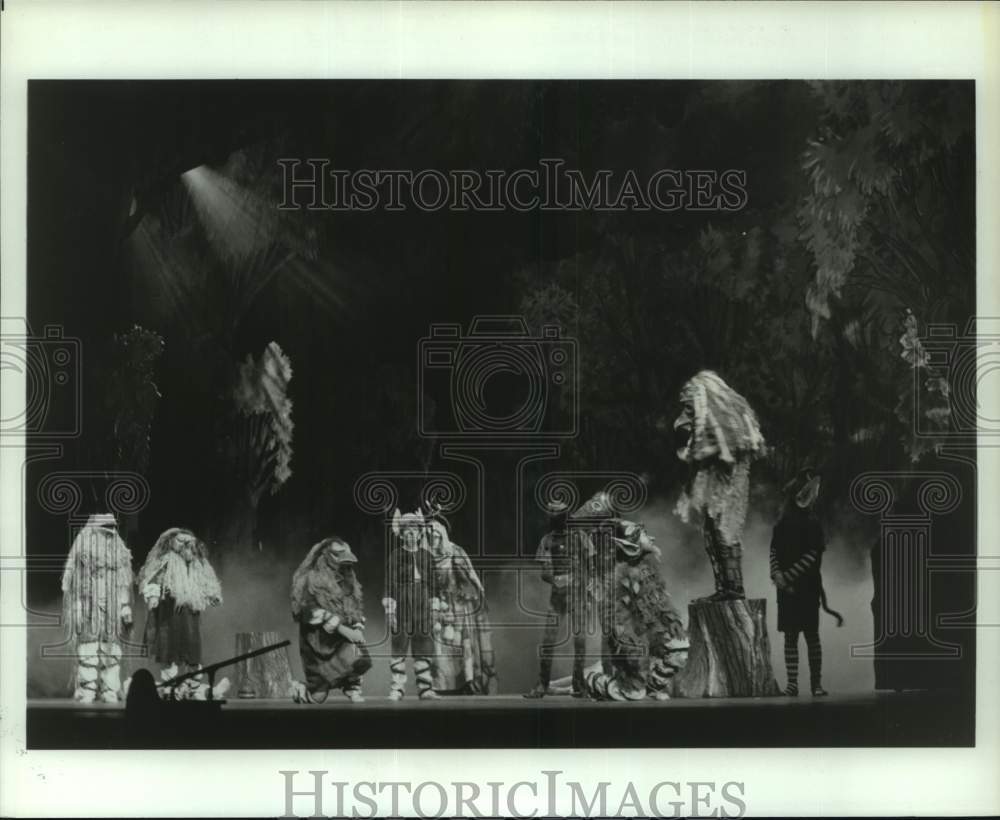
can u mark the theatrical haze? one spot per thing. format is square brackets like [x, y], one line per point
[514, 414]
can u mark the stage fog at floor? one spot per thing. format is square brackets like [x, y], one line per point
[258, 600]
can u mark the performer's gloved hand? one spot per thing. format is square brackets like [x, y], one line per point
[389, 605]
[331, 623]
[126, 614]
[151, 592]
[317, 616]
[352, 634]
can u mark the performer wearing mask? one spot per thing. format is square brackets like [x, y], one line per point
[178, 584]
[648, 643]
[464, 662]
[97, 606]
[328, 605]
[409, 603]
[796, 556]
[718, 437]
[564, 555]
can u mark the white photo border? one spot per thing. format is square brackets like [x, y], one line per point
[250, 40]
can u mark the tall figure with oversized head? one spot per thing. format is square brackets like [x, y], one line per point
[97, 605]
[718, 437]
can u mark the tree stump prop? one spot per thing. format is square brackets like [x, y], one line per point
[264, 676]
[730, 654]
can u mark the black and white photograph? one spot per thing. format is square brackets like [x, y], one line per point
[386, 413]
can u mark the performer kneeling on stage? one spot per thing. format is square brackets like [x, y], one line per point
[178, 584]
[648, 643]
[796, 555]
[409, 604]
[327, 603]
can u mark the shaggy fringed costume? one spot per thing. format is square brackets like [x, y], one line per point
[719, 437]
[565, 554]
[464, 661]
[409, 603]
[796, 557]
[178, 584]
[97, 605]
[647, 639]
[327, 603]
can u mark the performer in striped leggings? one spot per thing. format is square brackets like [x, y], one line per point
[796, 555]
[411, 599]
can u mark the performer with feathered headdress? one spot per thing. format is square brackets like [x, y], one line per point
[647, 640]
[178, 584]
[327, 603]
[97, 604]
[410, 601]
[464, 661]
[719, 437]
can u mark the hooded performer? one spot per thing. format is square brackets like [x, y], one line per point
[647, 640]
[178, 584]
[327, 603]
[464, 660]
[97, 604]
[796, 557]
[409, 603]
[719, 437]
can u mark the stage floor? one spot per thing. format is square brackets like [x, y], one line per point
[510, 721]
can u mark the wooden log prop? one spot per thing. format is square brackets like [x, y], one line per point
[264, 676]
[730, 654]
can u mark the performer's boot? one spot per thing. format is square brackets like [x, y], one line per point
[815, 664]
[301, 693]
[732, 578]
[424, 673]
[87, 673]
[711, 547]
[578, 683]
[540, 689]
[353, 691]
[397, 670]
[110, 672]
